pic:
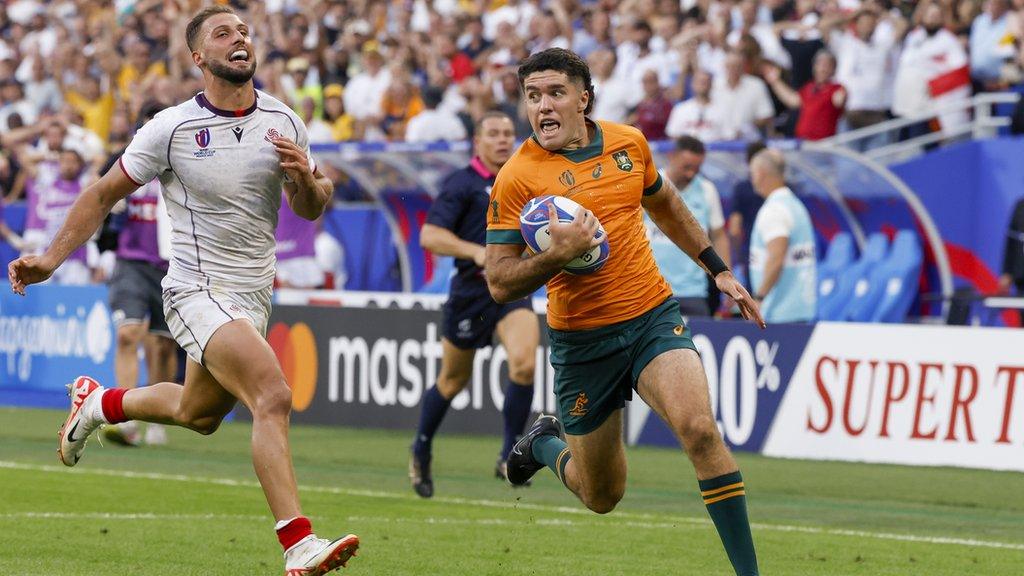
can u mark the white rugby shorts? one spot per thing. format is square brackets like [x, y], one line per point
[194, 312]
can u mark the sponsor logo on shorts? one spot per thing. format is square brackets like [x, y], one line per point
[580, 407]
[678, 330]
[295, 348]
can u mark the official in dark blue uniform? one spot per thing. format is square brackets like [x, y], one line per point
[456, 226]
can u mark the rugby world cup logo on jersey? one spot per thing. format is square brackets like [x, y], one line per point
[203, 140]
[567, 179]
[295, 348]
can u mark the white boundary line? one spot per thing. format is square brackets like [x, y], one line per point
[632, 519]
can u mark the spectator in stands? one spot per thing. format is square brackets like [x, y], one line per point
[783, 265]
[41, 90]
[695, 116]
[864, 66]
[401, 102]
[687, 279]
[318, 130]
[432, 124]
[342, 123]
[13, 101]
[801, 38]
[820, 101]
[990, 45]
[635, 58]
[652, 112]
[303, 87]
[611, 93]
[1013, 254]
[933, 70]
[93, 103]
[763, 32]
[740, 101]
[594, 35]
[364, 93]
[48, 200]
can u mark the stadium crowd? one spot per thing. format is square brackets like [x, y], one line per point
[76, 76]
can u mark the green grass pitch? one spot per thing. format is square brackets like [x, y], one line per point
[193, 508]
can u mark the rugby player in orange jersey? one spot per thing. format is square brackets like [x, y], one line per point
[618, 329]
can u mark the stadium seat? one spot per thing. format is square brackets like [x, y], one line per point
[839, 255]
[898, 276]
[833, 305]
[444, 268]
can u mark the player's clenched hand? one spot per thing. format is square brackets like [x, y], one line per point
[294, 162]
[27, 270]
[570, 239]
[730, 286]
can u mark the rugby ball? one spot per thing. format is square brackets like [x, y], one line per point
[533, 224]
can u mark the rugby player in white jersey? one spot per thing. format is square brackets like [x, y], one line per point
[222, 159]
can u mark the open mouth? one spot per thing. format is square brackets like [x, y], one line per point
[549, 127]
[239, 56]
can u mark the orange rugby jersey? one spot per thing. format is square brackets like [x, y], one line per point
[609, 177]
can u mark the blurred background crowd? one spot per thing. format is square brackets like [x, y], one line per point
[78, 76]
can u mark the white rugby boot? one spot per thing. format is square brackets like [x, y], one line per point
[314, 556]
[84, 418]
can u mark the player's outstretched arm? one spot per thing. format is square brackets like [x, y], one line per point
[309, 190]
[674, 219]
[84, 218]
[444, 242]
[511, 277]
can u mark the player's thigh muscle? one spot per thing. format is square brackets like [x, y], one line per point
[203, 397]
[519, 333]
[456, 368]
[599, 456]
[243, 363]
[674, 385]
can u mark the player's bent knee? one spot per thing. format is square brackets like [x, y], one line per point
[604, 501]
[204, 425]
[698, 435]
[522, 374]
[273, 401]
[129, 336]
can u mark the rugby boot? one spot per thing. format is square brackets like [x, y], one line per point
[314, 556]
[521, 465]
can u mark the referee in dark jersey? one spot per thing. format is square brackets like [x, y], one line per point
[456, 226]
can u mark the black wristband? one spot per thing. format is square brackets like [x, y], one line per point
[712, 261]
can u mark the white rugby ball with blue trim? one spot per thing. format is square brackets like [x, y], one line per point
[533, 224]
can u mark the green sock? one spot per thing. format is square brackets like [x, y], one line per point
[725, 499]
[554, 453]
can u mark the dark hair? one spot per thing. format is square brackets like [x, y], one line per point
[149, 109]
[560, 60]
[479, 124]
[192, 30]
[432, 97]
[688, 143]
[753, 148]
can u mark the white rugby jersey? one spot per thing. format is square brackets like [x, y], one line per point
[221, 181]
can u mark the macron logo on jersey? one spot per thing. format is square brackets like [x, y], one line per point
[203, 140]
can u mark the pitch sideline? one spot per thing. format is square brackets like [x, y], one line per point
[641, 520]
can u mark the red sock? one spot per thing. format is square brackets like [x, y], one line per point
[296, 529]
[111, 402]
